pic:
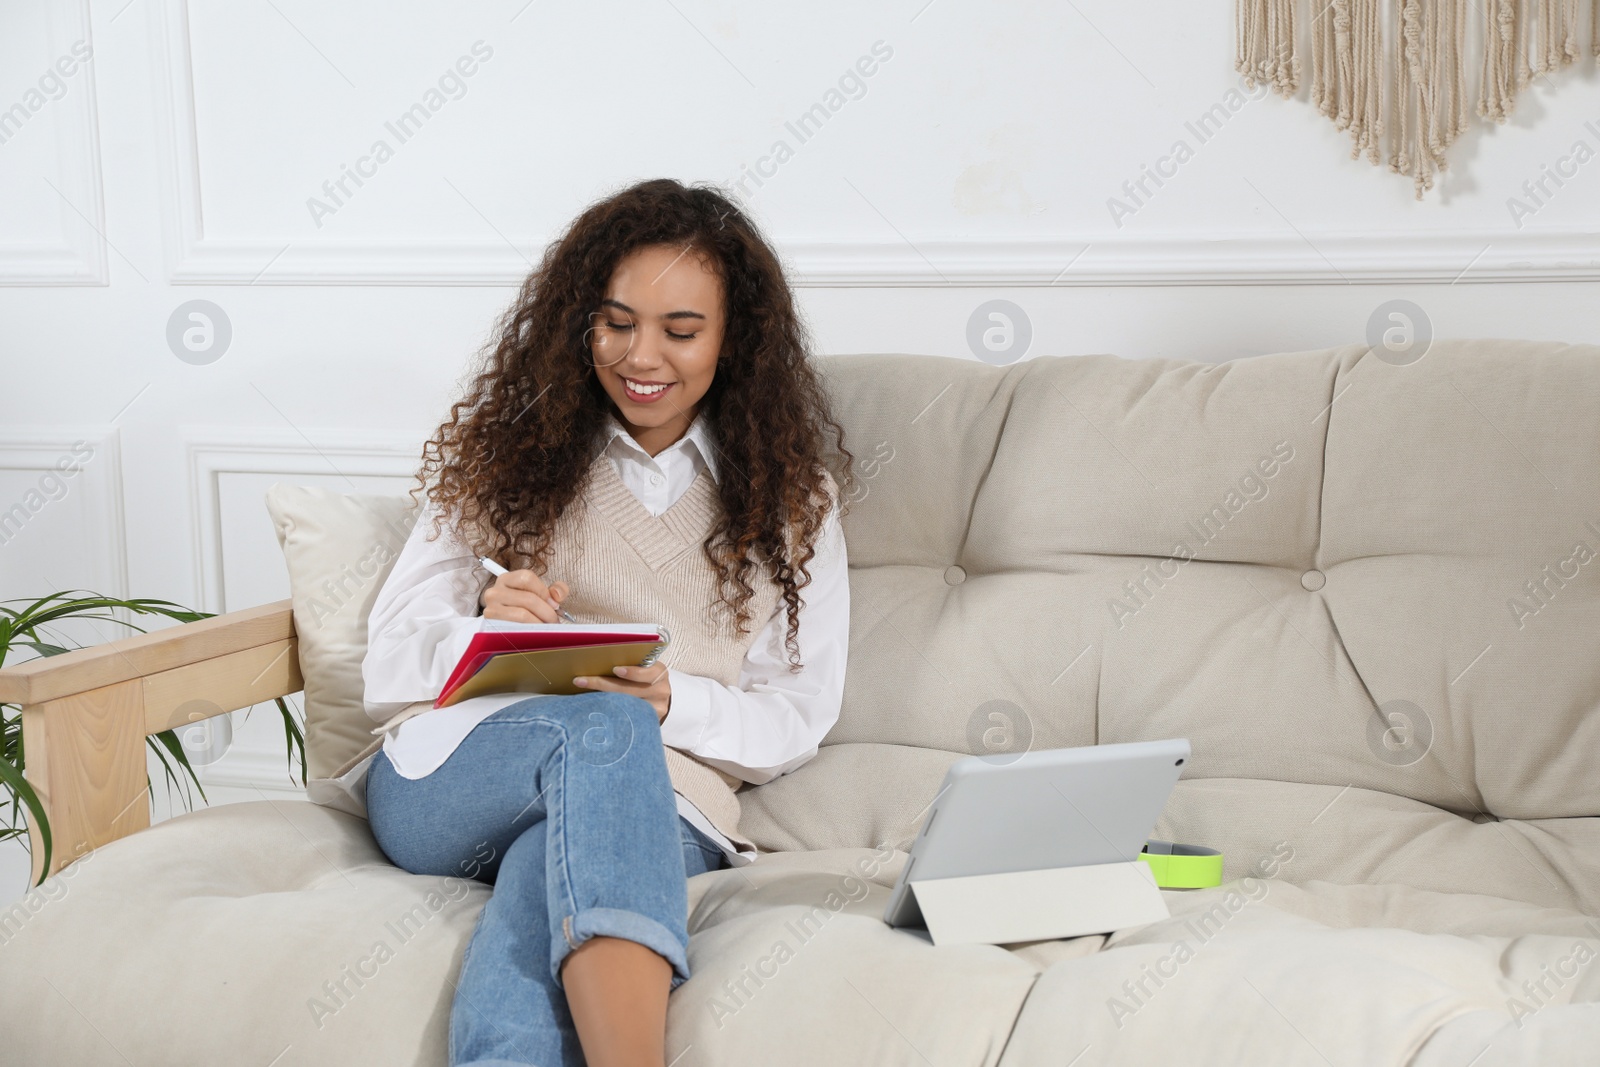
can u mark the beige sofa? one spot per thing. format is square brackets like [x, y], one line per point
[1367, 594]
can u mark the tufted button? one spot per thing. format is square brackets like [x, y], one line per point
[954, 575]
[1313, 580]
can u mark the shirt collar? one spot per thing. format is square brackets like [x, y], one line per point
[697, 441]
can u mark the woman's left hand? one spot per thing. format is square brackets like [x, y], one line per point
[650, 684]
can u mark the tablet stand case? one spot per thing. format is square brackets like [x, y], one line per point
[1000, 909]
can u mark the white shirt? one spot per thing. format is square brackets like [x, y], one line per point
[770, 724]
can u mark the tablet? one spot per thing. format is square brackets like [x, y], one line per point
[1060, 807]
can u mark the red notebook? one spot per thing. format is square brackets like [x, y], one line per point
[520, 657]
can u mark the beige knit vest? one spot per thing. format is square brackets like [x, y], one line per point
[625, 565]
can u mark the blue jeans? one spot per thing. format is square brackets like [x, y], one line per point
[563, 804]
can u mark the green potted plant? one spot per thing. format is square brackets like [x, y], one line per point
[33, 626]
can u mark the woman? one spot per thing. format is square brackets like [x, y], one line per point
[644, 445]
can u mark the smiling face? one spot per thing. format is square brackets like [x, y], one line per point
[655, 340]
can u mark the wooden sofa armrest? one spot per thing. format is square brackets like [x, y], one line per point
[86, 713]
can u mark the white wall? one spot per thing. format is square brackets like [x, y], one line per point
[977, 161]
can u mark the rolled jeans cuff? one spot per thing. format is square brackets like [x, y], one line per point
[617, 922]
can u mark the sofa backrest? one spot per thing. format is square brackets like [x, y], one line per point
[1367, 593]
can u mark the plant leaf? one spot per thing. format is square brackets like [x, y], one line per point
[44, 649]
[169, 739]
[293, 739]
[21, 787]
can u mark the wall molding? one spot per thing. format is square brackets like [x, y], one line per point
[99, 479]
[211, 452]
[1286, 257]
[1385, 258]
[80, 257]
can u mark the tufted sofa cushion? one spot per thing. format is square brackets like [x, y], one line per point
[1368, 594]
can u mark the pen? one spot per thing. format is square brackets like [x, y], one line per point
[495, 569]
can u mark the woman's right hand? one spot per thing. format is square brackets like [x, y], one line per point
[522, 596]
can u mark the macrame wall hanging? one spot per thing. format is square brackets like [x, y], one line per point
[1421, 54]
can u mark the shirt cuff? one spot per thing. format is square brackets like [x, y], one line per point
[689, 710]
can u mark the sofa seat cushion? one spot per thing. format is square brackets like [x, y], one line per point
[250, 911]
[264, 932]
[792, 963]
[285, 936]
[1263, 971]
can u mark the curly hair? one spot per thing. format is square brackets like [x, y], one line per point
[518, 446]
